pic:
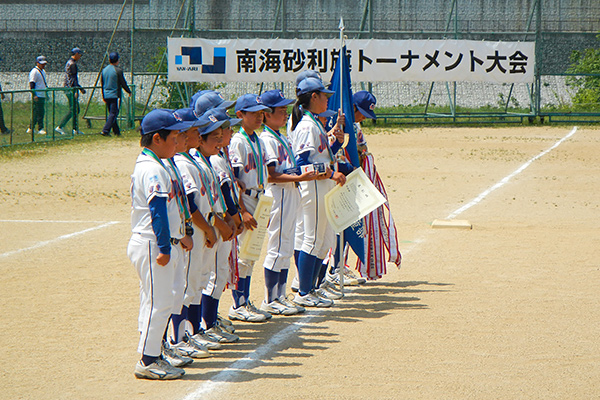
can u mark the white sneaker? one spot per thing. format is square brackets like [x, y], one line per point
[189, 350]
[335, 279]
[60, 130]
[203, 339]
[325, 294]
[243, 314]
[332, 289]
[277, 308]
[29, 131]
[159, 370]
[311, 300]
[174, 358]
[287, 302]
[41, 132]
[348, 273]
[227, 328]
[225, 322]
[221, 335]
[252, 308]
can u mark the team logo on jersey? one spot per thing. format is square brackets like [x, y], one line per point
[193, 56]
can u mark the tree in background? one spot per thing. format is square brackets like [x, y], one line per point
[587, 95]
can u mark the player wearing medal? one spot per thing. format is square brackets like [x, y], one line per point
[247, 155]
[283, 187]
[158, 238]
[311, 145]
[218, 265]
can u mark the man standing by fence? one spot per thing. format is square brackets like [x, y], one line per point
[72, 81]
[3, 128]
[113, 82]
[37, 82]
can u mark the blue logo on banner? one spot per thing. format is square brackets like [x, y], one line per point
[195, 59]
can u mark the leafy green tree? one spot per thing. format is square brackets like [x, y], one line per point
[587, 96]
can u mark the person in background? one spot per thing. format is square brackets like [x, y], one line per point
[37, 82]
[113, 83]
[72, 81]
[3, 129]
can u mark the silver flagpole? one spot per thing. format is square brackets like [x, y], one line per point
[342, 57]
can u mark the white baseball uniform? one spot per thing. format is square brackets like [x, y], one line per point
[247, 152]
[286, 203]
[151, 178]
[318, 236]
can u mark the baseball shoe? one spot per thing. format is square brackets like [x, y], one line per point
[158, 370]
[201, 338]
[29, 131]
[250, 306]
[41, 132]
[60, 130]
[221, 336]
[335, 279]
[225, 324]
[325, 294]
[276, 307]
[289, 303]
[312, 300]
[333, 292]
[77, 132]
[107, 134]
[173, 357]
[348, 273]
[243, 314]
[189, 350]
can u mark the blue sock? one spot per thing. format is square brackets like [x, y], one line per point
[238, 293]
[321, 276]
[282, 282]
[194, 314]
[247, 290]
[147, 360]
[317, 272]
[336, 255]
[209, 311]
[177, 321]
[306, 267]
[296, 257]
[271, 282]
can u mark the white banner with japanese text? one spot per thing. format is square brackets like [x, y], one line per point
[276, 60]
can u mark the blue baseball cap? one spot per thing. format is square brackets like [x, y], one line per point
[159, 119]
[365, 103]
[76, 50]
[196, 96]
[251, 103]
[312, 85]
[217, 118]
[113, 57]
[275, 98]
[222, 113]
[41, 60]
[187, 115]
[209, 100]
[309, 73]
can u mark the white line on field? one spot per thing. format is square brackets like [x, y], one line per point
[58, 239]
[229, 373]
[507, 178]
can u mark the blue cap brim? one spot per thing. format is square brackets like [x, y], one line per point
[212, 126]
[283, 103]
[257, 108]
[227, 104]
[327, 114]
[367, 113]
[234, 121]
[181, 126]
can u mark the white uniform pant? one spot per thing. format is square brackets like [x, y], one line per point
[282, 225]
[219, 270]
[318, 236]
[156, 291]
[245, 266]
[198, 272]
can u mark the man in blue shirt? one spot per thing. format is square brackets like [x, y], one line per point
[113, 82]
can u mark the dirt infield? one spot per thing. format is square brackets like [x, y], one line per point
[507, 310]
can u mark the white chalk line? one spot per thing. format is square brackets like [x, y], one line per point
[247, 362]
[229, 373]
[507, 178]
[58, 239]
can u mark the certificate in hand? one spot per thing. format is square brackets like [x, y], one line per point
[253, 240]
[347, 204]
